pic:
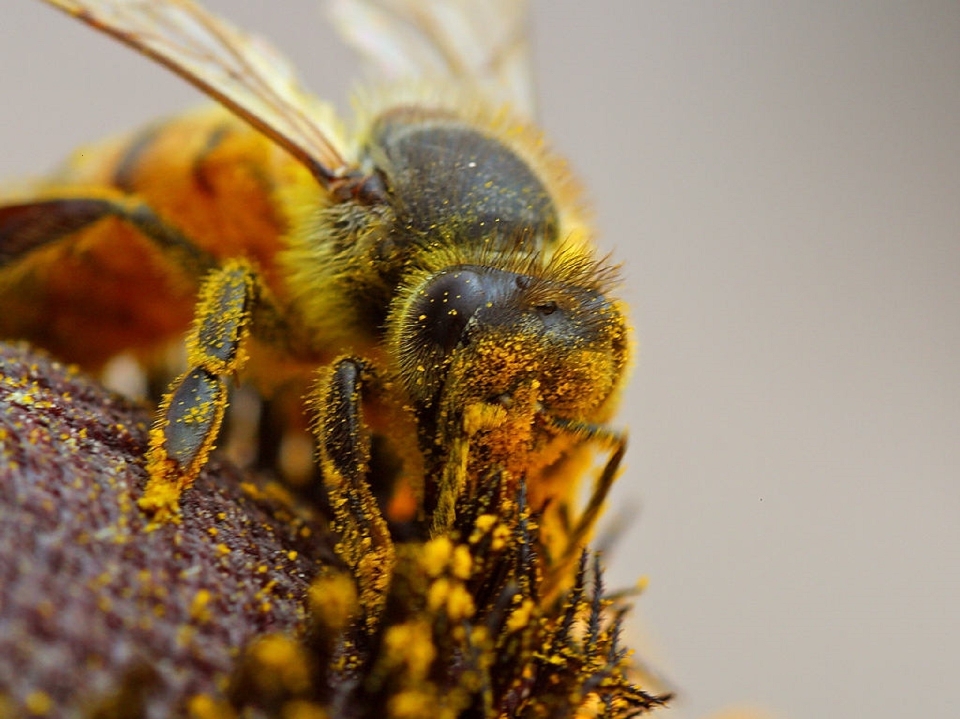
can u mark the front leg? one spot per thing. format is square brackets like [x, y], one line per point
[344, 447]
[190, 415]
[579, 533]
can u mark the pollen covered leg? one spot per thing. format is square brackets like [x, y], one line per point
[190, 415]
[581, 530]
[344, 442]
[601, 488]
[477, 417]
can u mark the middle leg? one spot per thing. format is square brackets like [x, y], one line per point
[190, 415]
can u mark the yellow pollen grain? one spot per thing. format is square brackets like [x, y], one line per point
[411, 704]
[462, 563]
[283, 658]
[200, 606]
[333, 600]
[483, 525]
[520, 617]
[410, 644]
[202, 706]
[436, 554]
[590, 708]
[38, 703]
[460, 604]
[501, 535]
[437, 594]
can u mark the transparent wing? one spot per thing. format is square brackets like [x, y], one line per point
[478, 42]
[240, 71]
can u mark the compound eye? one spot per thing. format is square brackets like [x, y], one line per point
[446, 305]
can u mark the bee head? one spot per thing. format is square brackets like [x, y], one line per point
[534, 341]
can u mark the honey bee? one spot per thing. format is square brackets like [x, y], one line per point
[430, 258]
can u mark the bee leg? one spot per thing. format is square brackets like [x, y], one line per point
[190, 415]
[453, 477]
[344, 443]
[601, 488]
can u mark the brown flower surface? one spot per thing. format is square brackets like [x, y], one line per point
[99, 614]
[243, 608]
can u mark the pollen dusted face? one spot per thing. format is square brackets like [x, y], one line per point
[512, 367]
[484, 333]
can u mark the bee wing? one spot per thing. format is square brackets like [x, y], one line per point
[240, 71]
[476, 42]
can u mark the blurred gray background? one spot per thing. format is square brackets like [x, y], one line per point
[782, 183]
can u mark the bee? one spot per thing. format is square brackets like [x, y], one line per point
[424, 275]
